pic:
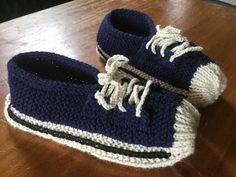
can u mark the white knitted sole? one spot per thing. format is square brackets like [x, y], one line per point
[187, 118]
[206, 86]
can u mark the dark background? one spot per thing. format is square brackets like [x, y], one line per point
[10, 9]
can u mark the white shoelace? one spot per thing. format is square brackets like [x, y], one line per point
[117, 88]
[167, 36]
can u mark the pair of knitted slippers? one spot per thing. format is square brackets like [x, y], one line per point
[137, 113]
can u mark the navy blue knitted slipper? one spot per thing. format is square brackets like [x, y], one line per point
[109, 115]
[162, 55]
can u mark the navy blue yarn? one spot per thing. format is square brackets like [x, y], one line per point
[126, 32]
[54, 88]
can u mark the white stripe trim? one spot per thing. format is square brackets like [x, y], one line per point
[186, 117]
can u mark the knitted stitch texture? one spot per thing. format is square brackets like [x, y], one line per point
[53, 96]
[127, 32]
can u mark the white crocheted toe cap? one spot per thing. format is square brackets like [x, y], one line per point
[187, 119]
[207, 84]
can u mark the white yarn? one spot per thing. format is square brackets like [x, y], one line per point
[117, 89]
[206, 90]
[167, 36]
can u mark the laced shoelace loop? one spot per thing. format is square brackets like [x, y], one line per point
[167, 36]
[116, 88]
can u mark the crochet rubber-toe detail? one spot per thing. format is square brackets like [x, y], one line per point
[207, 84]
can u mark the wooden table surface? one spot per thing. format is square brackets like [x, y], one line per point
[70, 29]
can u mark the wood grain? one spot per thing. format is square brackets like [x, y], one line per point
[70, 29]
